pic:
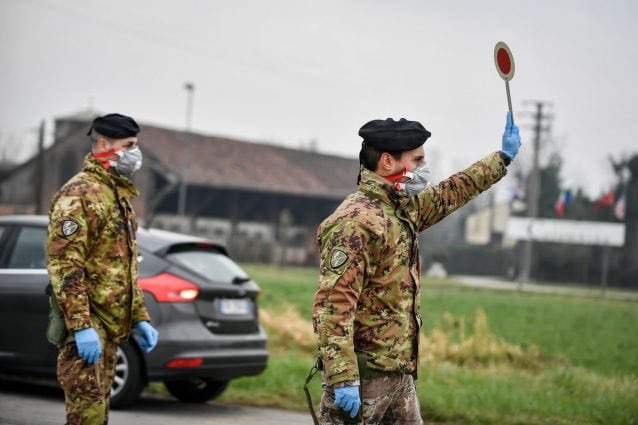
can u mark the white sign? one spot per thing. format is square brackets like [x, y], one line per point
[565, 231]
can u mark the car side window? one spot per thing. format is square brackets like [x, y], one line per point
[29, 250]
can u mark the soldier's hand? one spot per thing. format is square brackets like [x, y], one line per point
[347, 398]
[511, 138]
[148, 335]
[88, 343]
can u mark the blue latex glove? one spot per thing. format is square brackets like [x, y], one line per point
[148, 335]
[347, 398]
[88, 343]
[511, 138]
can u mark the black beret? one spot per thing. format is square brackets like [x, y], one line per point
[394, 136]
[115, 126]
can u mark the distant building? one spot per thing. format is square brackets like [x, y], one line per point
[6, 168]
[264, 202]
[487, 225]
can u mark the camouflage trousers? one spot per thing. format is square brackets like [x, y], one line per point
[390, 400]
[87, 387]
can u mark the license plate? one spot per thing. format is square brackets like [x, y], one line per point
[234, 306]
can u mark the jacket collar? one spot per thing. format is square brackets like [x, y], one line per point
[123, 186]
[378, 187]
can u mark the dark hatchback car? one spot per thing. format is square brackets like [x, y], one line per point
[203, 305]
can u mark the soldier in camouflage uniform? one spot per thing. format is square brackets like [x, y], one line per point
[366, 310]
[92, 265]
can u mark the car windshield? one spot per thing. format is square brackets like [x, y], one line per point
[210, 264]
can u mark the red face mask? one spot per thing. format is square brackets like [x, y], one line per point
[103, 158]
[395, 178]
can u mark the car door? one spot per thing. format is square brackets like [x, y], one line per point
[24, 305]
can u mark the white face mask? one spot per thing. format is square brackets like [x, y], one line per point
[128, 162]
[419, 180]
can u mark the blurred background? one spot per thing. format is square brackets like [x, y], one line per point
[250, 112]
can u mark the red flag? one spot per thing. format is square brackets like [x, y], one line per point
[606, 201]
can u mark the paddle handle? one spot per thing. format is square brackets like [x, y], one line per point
[509, 99]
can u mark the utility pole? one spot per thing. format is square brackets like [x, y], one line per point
[534, 188]
[181, 201]
[39, 172]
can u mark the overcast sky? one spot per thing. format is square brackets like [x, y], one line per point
[290, 72]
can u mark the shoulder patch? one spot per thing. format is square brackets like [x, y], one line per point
[69, 227]
[338, 258]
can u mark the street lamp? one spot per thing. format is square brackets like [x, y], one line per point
[181, 201]
[190, 89]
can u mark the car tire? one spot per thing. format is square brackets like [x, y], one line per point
[198, 390]
[128, 382]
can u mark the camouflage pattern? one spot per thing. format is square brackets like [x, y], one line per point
[369, 289]
[87, 387]
[92, 265]
[92, 252]
[388, 400]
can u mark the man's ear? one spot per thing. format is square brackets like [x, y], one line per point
[107, 145]
[101, 145]
[386, 163]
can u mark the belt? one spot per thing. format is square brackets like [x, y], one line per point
[375, 374]
[366, 373]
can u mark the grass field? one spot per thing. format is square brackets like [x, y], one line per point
[488, 357]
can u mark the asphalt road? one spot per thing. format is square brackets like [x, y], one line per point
[43, 404]
[487, 282]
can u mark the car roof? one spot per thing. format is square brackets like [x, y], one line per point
[39, 220]
[158, 240]
[154, 240]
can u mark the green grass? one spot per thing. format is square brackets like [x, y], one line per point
[597, 334]
[280, 385]
[557, 395]
[590, 377]
[296, 286]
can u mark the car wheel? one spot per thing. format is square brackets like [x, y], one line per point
[196, 390]
[128, 382]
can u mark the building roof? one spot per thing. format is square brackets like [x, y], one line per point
[227, 163]
[234, 164]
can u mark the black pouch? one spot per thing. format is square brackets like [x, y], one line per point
[347, 419]
[56, 328]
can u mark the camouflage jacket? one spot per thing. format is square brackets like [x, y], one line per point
[92, 251]
[369, 290]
